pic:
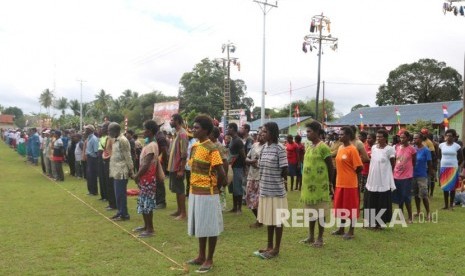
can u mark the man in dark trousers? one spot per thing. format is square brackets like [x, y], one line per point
[163, 146]
[91, 155]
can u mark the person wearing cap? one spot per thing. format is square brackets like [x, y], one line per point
[163, 147]
[58, 156]
[177, 164]
[91, 159]
[121, 169]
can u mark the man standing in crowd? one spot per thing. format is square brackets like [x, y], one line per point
[71, 158]
[102, 179]
[35, 146]
[132, 143]
[163, 146]
[91, 159]
[292, 151]
[237, 153]
[248, 143]
[108, 180]
[121, 169]
[177, 165]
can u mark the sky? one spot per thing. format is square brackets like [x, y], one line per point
[148, 45]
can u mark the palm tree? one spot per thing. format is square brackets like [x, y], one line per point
[62, 104]
[46, 99]
[75, 106]
[103, 102]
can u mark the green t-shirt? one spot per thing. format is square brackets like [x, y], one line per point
[315, 179]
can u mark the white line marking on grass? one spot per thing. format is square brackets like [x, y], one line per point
[183, 267]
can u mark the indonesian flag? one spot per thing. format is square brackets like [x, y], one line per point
[297, 115]
[446, 115]
[398, 116]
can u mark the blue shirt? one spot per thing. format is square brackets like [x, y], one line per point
[92, 146]
[421, 166]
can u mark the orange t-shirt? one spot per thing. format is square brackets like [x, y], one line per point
[347, 161]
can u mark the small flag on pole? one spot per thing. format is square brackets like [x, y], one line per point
[446, 115]
[361, 121]
[398, 117]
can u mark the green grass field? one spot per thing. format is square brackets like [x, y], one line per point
[54, 228]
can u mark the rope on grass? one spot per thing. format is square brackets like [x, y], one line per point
[181, 267]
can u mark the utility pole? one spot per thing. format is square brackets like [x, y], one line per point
[80, 107]
[320, 35]
[463, 101]
[229, 48]
[266, 7]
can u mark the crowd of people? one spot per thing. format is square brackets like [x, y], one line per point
[330, 170]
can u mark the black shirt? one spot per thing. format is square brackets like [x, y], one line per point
[235, 147]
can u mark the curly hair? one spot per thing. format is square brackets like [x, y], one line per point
[273, 131]
[205, 122]
[151, 126]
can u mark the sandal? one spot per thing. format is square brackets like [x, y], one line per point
[145, 234]
[307, 241]
[268, 255]
[261, 251]
[337, 233]
[204, 268]
[139, 229]
[194, 262]
[347, 237]
[318, 244]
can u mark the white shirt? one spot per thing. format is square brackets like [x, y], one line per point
[449, 155]
[380, 177]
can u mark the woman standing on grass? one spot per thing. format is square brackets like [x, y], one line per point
[423, 165]
[317, 176]
[380, 181]
[273, 168]
[403, 173]
[205, 220]
[346, 196]
[253, 178]
[146, 179]
[451, 157]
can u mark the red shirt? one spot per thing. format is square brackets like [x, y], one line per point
[292, 149]
[366, 166]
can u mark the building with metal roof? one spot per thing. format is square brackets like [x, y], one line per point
[285, 124]
[385, 116]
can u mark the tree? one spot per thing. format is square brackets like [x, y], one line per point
[358, 106]
[75, 107]
[102, 103]
[202, 90]
[14, 110]
[1, 108]
[419, 125]
[62, 104]
[426, 80]
[46, 99]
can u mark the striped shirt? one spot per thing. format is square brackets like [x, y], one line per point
[272, 159]
[204, 157]
[178, 150]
